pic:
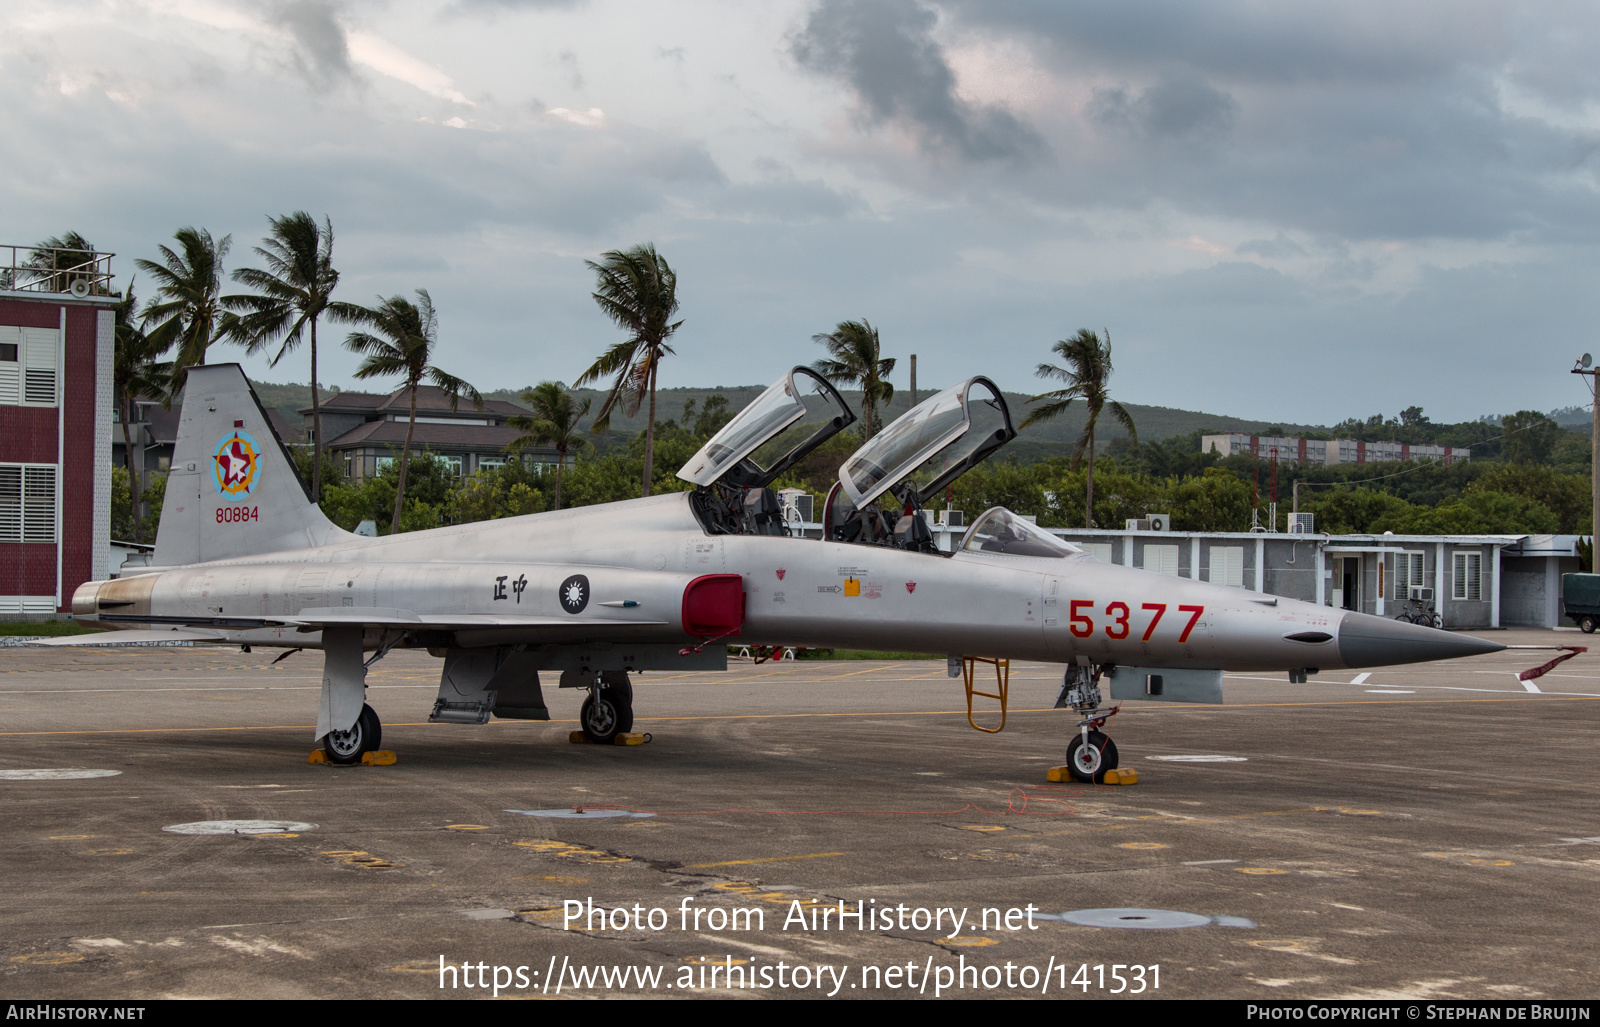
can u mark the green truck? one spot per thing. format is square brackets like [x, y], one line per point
[1580, 600]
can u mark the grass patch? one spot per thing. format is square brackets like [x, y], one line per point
[44, 628]
[860, 654]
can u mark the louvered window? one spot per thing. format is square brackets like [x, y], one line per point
[1408, 571]
[1227, 566]
[1467, 579]
[27, 503]
[29, 370]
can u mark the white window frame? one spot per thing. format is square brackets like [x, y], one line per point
[1099, 550]
[1165, 559]
[1466, 577]
[1410, 568]
[489, 463]
[37, 369]
[1225, 566]
[26, 515]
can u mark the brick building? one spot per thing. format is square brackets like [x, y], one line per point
[56, 351]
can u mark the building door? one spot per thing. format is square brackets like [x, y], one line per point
[1346, 583]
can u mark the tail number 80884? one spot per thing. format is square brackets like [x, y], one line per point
[237, 514]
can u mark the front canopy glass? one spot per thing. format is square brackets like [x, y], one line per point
[930, 445]
[1001, 532]
[798, 413]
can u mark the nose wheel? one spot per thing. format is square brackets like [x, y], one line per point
[1090, 755]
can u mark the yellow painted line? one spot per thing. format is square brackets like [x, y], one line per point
[1194, 707]
[769, 859]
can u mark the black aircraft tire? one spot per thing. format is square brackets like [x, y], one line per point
[1101, 757]
[603, 719]
[1586, 624]
[347, 747]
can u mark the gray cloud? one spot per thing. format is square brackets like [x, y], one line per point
[1168, 108]
[884, 51]
[322, 54]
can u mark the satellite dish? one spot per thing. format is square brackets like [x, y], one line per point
[1587, 360]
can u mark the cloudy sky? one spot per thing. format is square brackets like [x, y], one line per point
[1286, 211]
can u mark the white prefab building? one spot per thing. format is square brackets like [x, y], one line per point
[1473, 581]
[1323, 452]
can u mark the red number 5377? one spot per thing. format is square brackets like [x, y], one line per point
[1117, 619]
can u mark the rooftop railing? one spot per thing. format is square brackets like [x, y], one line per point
[80, 273]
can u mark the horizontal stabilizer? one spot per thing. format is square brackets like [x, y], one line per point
[111, 639]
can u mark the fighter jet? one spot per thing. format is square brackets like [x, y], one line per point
[590, 595]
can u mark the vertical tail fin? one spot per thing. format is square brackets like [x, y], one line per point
[232, 489]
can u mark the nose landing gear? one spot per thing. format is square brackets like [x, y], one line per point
[1092, 752]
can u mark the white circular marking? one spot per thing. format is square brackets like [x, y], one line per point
[53, 774]
[1199, 759]
[569, 812]
[238, 827]
[1136, 919]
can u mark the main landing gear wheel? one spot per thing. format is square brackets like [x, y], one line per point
[608, 712]
[1090, 762]
[364, 736]
[1586, 624]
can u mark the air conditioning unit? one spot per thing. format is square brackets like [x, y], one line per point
[953, 518]
[1420, 593]
[1160, 522]
[798, 504]
[1302, 524]
[1137, 524]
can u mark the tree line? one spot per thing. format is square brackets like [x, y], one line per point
[1541, 483]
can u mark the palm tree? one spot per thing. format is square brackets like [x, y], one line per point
[58, 262]
[1086, 374]
[554, 423]
[187, 304]
[407, 336]
[853, 348]
[294, 288]
[135, 375]
[638, 291]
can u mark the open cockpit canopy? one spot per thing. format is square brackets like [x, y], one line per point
[931, 445]
[1001, 532]
[796, 415]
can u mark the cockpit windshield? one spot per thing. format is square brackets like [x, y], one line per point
[798, 413]
[999, 531]
[931, 445]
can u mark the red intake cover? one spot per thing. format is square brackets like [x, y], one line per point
[713, 605]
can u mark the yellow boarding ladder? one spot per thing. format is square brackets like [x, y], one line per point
[1002, 673]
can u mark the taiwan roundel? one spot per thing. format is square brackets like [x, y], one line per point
[574, 593]
[236, 465]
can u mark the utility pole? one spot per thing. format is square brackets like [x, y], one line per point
[1586, 366]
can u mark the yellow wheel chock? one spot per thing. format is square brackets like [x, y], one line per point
[1002, 674]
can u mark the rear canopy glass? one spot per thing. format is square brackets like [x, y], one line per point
[932, 444]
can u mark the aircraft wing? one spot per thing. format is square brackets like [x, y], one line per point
[406, 618]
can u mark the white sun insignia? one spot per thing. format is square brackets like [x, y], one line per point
[574, 594]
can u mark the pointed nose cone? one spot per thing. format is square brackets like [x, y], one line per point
[1368, 641]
